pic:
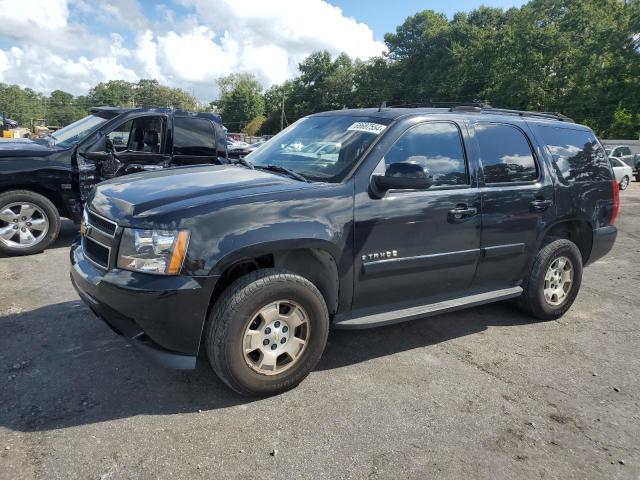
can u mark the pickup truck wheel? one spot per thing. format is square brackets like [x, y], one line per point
[553, 281]
[29, 222]
[266, 332]
[624, 183]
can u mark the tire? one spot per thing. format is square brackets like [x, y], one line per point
[637, 177]
[42, 211]
[624, 183]
[533, 301]
[240, 308]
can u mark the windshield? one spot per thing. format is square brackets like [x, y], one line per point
[322, 148]
[607, 151]
[73, 133]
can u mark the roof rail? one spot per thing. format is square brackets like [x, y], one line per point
[521, 113]
[449, 105]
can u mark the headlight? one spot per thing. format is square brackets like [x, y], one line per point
[153, 251]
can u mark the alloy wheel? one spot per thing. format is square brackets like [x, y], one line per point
[22, 224]
[558, 281]
[276, 337]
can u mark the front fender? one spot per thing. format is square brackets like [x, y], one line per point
[319, 218]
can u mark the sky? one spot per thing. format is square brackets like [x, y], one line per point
[74, 44]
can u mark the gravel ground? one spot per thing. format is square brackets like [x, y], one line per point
[483, 393]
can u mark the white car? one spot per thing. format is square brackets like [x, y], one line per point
[622, 171]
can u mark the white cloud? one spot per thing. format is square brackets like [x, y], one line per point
[54, 49]
[38, 68]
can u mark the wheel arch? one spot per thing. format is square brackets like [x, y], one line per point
[50, 194]
[312, 259]
[578, 231]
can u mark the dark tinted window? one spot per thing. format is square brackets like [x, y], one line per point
[625, 150]
[193, 136]
[577, 155]
[506, 154]
[436, 147]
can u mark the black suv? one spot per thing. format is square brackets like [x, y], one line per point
[409, 213]
[42, 180]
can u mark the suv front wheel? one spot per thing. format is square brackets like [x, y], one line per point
[553, 281]
[266, 332]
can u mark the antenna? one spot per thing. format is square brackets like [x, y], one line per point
[382, 105]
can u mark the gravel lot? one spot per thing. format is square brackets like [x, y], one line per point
[483, 393]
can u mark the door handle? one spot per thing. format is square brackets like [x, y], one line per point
[461, 212]
[540, 205]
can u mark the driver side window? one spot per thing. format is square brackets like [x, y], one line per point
[436, 147]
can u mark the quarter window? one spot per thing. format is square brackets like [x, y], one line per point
[437, 148]
[193, 136]
[506, 154]
[577, 155]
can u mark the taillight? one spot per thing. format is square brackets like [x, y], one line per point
[616, 202]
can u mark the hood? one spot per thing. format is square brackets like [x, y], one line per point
[23, 147]
[149, 194]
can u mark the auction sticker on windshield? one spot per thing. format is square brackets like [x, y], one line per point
[368, 127]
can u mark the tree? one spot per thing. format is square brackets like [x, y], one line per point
[241, 100]
[624, 125]
[253, 127]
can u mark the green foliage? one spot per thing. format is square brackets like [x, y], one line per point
[253, 127]
[240, 101]
[61, 108]
[624, 124]
[578, 57]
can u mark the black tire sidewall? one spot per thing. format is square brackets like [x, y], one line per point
[47, 207]
[569, 250]
[228, 349]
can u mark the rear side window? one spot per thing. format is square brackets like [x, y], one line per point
[577, 155]
[436, 147]
[193, 136]
[506, 154]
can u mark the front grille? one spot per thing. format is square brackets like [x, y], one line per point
[98, 254]
[101, 223]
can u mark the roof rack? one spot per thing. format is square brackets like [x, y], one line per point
[506, 111]
[438, 104]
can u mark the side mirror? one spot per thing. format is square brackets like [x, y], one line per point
[403, 176]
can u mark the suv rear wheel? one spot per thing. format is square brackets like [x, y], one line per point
[267, 332]
[29, 222]
[554, 280]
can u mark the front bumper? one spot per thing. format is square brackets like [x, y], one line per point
[161, 315]
[603, 240]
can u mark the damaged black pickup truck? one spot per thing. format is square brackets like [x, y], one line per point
[45, 179]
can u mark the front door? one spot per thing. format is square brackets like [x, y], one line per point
[134, 145]
[517, 202]
[415, 246]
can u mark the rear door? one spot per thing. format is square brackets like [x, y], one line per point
[194, 141]
[517, 201]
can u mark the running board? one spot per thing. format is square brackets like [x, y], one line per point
[397, 316]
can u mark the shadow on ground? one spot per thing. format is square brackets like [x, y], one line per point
[61, 367]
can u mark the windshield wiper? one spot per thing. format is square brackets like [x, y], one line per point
[285, 170]
[243, 162]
